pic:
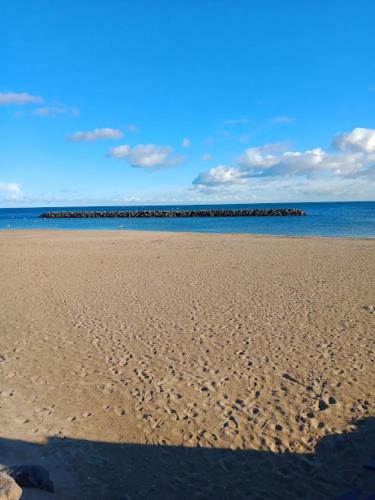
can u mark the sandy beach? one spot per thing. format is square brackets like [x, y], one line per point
[140, 365]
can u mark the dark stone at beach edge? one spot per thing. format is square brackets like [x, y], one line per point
[29, 476]
[257, 212]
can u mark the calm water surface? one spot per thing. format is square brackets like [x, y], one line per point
[339, 219]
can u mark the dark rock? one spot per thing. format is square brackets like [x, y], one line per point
[214, 212]
[30, 476]
[322, 405]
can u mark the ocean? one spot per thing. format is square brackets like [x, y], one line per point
[335, 219]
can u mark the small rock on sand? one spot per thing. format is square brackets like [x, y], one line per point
[31, 476]
[322, 405]
[9, 489]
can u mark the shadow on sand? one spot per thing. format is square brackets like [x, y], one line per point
[341, 467]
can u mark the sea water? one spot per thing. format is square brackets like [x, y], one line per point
[336, 219]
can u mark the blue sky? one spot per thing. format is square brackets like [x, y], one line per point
[122, 102]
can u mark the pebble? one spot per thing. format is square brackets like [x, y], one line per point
[323, 405]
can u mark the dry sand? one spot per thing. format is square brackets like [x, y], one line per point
[157, 365]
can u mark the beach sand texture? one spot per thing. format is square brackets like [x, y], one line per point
[168, 365]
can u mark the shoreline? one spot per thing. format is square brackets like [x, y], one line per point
[186, 233]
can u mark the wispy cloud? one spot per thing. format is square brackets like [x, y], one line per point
[244, 138]
[282, 120]
[21, 98]
[236, 121]
[96, 134]
[267, 190]
[133, 129]
[55, 111]
[207, 157]
[148, 156]
[10, 191]
[186, 143]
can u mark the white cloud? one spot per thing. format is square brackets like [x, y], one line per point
[359, 139]
[258, 162]
[97, 133]
[55, 110]
[355, 160]
[146, 155]
[220, 175]
[119, 151]
[186, 143]
[10, 191]
[9, 98]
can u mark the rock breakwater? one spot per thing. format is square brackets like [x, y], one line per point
[257, 212]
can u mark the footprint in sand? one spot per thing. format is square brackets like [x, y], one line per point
[45, 412]
[108, 388]
[6, 394]
[119, 411]
[369, 308]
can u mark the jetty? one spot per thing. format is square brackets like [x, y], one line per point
[173, 213]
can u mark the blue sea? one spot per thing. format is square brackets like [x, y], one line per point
[336, 219]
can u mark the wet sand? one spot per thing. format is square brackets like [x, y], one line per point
[171, 365]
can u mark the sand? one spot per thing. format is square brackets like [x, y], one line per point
[169, 365]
